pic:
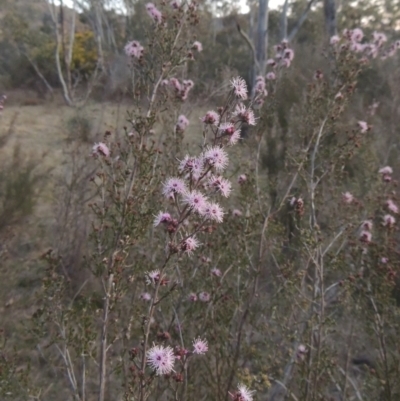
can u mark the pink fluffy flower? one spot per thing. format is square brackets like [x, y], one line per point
[347, 197]
[392, 207]
[270, 76]
[260, 84]
[239, 87]
[384, 260]
[134, 49]
[334, 40]
[244, 114]
[182, 123]
[189, 245]
[152, 277]
[236, 213]
[216, 157]
[379, 38]
[161, 359]
[100, 149]
[388, 220]
[175, 84]
[192, 297]
[193, 165]
[216, 272]
[220, 184]
[154, 13]
[288, 54]
[242, 179]
[271, 62]
[145, 296]
[365, 236]
[197, 46]
[204, 296]
[211, 117]
[367, 225]
[386, 170]
[363, 126]
[213, 211]
[242, 394]
[174, 185]
[175, 4]
[195, 200]
[356, 35]
[162, 217]
[200, 347]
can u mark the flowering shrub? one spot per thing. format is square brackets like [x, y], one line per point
[212, 274]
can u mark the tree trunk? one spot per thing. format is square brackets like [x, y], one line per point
[283, 22]
[262, 36]
[330, 17]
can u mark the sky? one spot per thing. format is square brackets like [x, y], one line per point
[245, 9]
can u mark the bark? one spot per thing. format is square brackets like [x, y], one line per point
[330, 17]
[283, 22]
[262, 36]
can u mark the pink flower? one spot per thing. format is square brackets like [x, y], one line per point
[195, 200]
[356, 35]
[244, 114]
[220, 185]
[347, 197]
[236, 213]
[379, 38]
[197, 46]
[234, 138]
[339, 96]
[134, 49]
[270, 76]
[334, 40]
[189, 245]
[392, 206]
[154, 13]
[175, 4]
[182, 123]
[161, 359]
[242, 179]
[386, 170]
[193, 165]
[318, 75]
[175, 186]
[367, 225]
[239, 87]
[384, 260]
[216, 272]
[204, 296]
[271, 62]
[216, 157]
[200, 347]
[260, 84]
[288, 54]
[175, 84]
[365, 236]
[145, 296]
[162, 217]
[192, 297]
[100, 149]
[242, 394]
[388, 220]
[152, 277]
[213, 211]
[211, 117]
[363, 126]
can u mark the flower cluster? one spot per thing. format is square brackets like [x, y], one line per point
[180, 89]
[134, 49]
[284, 56]
[154, 13]
[354, 40]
